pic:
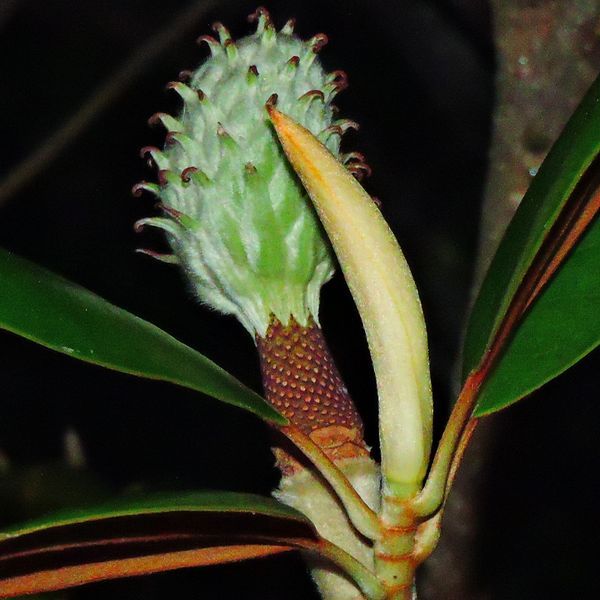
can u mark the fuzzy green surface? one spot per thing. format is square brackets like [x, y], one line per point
[248, 237]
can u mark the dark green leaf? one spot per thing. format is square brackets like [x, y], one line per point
[209, 501]
[562, 326]
[546, 340]
[60, 315]
[151, 534]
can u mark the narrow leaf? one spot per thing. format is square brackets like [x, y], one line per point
[385, 294]
[58, 314]
[136, 537]
[536, 313]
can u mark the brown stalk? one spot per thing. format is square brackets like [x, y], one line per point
[302, 382]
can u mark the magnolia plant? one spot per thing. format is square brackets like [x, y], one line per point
[258, 205]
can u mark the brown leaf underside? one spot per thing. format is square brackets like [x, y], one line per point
[77, 553]
[69, 576]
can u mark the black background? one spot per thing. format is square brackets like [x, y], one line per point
[421, 76]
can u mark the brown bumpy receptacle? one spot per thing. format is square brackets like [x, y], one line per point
[303, 383]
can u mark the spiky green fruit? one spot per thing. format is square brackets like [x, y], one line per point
[237, 218]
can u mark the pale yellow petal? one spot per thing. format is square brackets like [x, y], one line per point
[385, 294]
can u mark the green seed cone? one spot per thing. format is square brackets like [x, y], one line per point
[236, 216]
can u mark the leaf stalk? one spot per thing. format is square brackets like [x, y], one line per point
[450, 449]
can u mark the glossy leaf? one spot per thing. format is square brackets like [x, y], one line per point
[135, 537]
[562, 326]
[58, 314]
[160, 533]
[557, 324]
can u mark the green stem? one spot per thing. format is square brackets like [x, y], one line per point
[395, 562]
